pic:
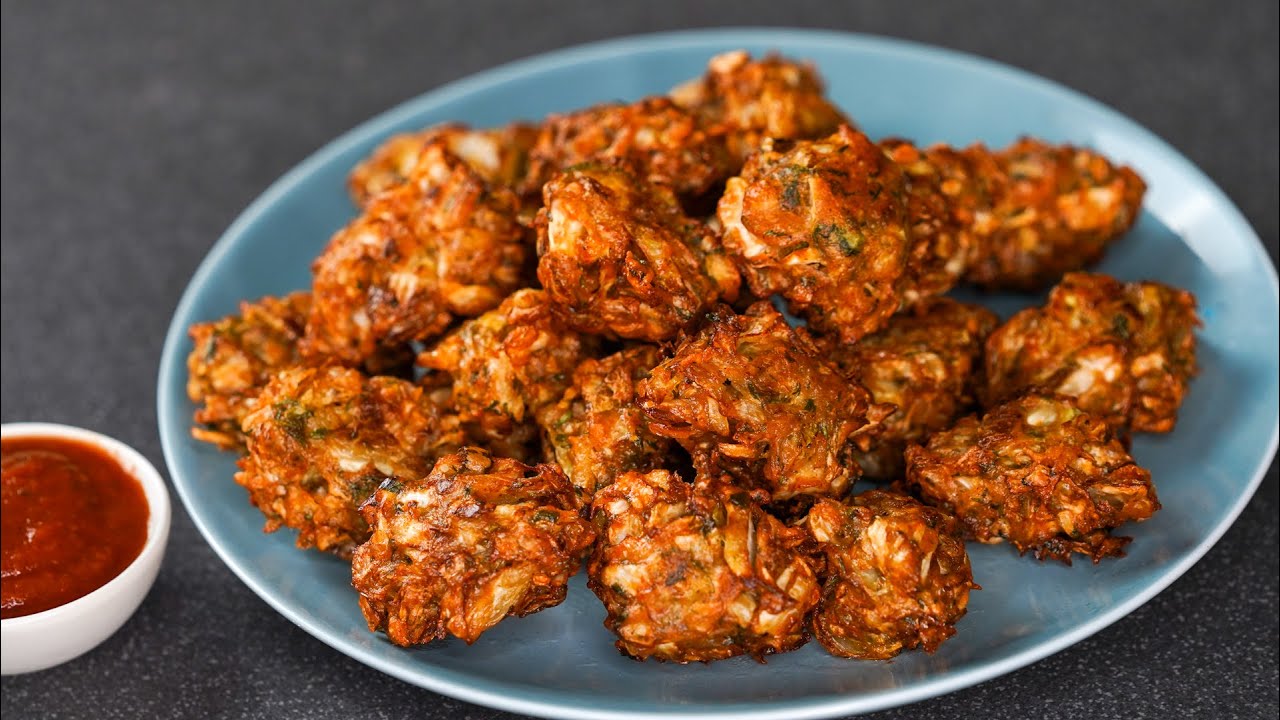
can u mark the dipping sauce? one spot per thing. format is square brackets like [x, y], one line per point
[72, 519]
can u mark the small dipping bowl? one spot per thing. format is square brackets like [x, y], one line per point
[54, 636]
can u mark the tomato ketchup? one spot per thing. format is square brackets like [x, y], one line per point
[73, 518]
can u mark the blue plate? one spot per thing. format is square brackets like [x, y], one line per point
[561, 662]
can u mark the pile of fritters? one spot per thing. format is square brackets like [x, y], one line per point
[547, 344]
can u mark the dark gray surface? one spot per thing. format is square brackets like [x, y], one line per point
[133, 133]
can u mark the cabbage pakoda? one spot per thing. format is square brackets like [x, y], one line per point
[478, 539]
[445, 244]
[897, 575]
[506, 367]
[1125, 351]
[750, 396]
[619, 257]
[233, 358]
[695, 573]
[1038, 472]
[322, 439]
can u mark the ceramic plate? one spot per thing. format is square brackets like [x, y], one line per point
[561, 662]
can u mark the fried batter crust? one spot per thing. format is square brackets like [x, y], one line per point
[597, 430]
[897, 575]
[1053, 209]
[927, 363]
[750, 396]
[750, 100]
[824, 224]
[499, 155]
[1039, 473]
[619, 257]
[697, 573]
[479, 539]
[321, 440]
[664, 143]
[444, 244]
[506, 367]
[1125, 351]
[231, 360]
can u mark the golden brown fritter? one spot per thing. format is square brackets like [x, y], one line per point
[695, 573]
[824, 224]
[751, 100]
[499, 155]
[619, 257]
[456, 551]
[597, 430]
[231, 360]
[1052, 209]
[749, 395]
[322, 439]
[948, 203]
[662, 142]
[444, 244]
[897, 575]
[506, 367]
[1125, 351]
[926, 363]
[1039, 473]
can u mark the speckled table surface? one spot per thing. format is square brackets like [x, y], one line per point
[134, 132]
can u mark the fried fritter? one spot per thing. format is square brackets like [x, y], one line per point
[506, 367]
[322, 439]
[1125, 351]
[1038, 472]
[926, 363]
[948, 203]
[751, 100]
[1051, 209]
[444, 244]
[231, 360]
[897, 575]
[479, 539]
[750, 396]
[499, 155]
[619, 257]
[597, 430]
[824, 224]
[664, 144]
[695, 573]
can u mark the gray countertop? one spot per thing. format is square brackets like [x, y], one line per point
[134, 132]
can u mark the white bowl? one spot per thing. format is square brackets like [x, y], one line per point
[52, 637]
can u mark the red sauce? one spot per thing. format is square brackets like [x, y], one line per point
[72, 520]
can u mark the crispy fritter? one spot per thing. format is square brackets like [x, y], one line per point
[926, 363]
[322, 439]
[1125, 351]
[664, 144]
[898, 575]
[948, 203]
[619, 257]
[824, 224]
[597, 430]
[444, 244]
[1051, 209]
[750, 396]
[1038, 472]
[499, 155]
[751, 100]
[231, 360]
[507, 366]
[479, 539]
[697, 573]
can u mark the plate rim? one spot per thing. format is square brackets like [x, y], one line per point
[490, 692]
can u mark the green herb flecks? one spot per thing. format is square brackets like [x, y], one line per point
[292, 417]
